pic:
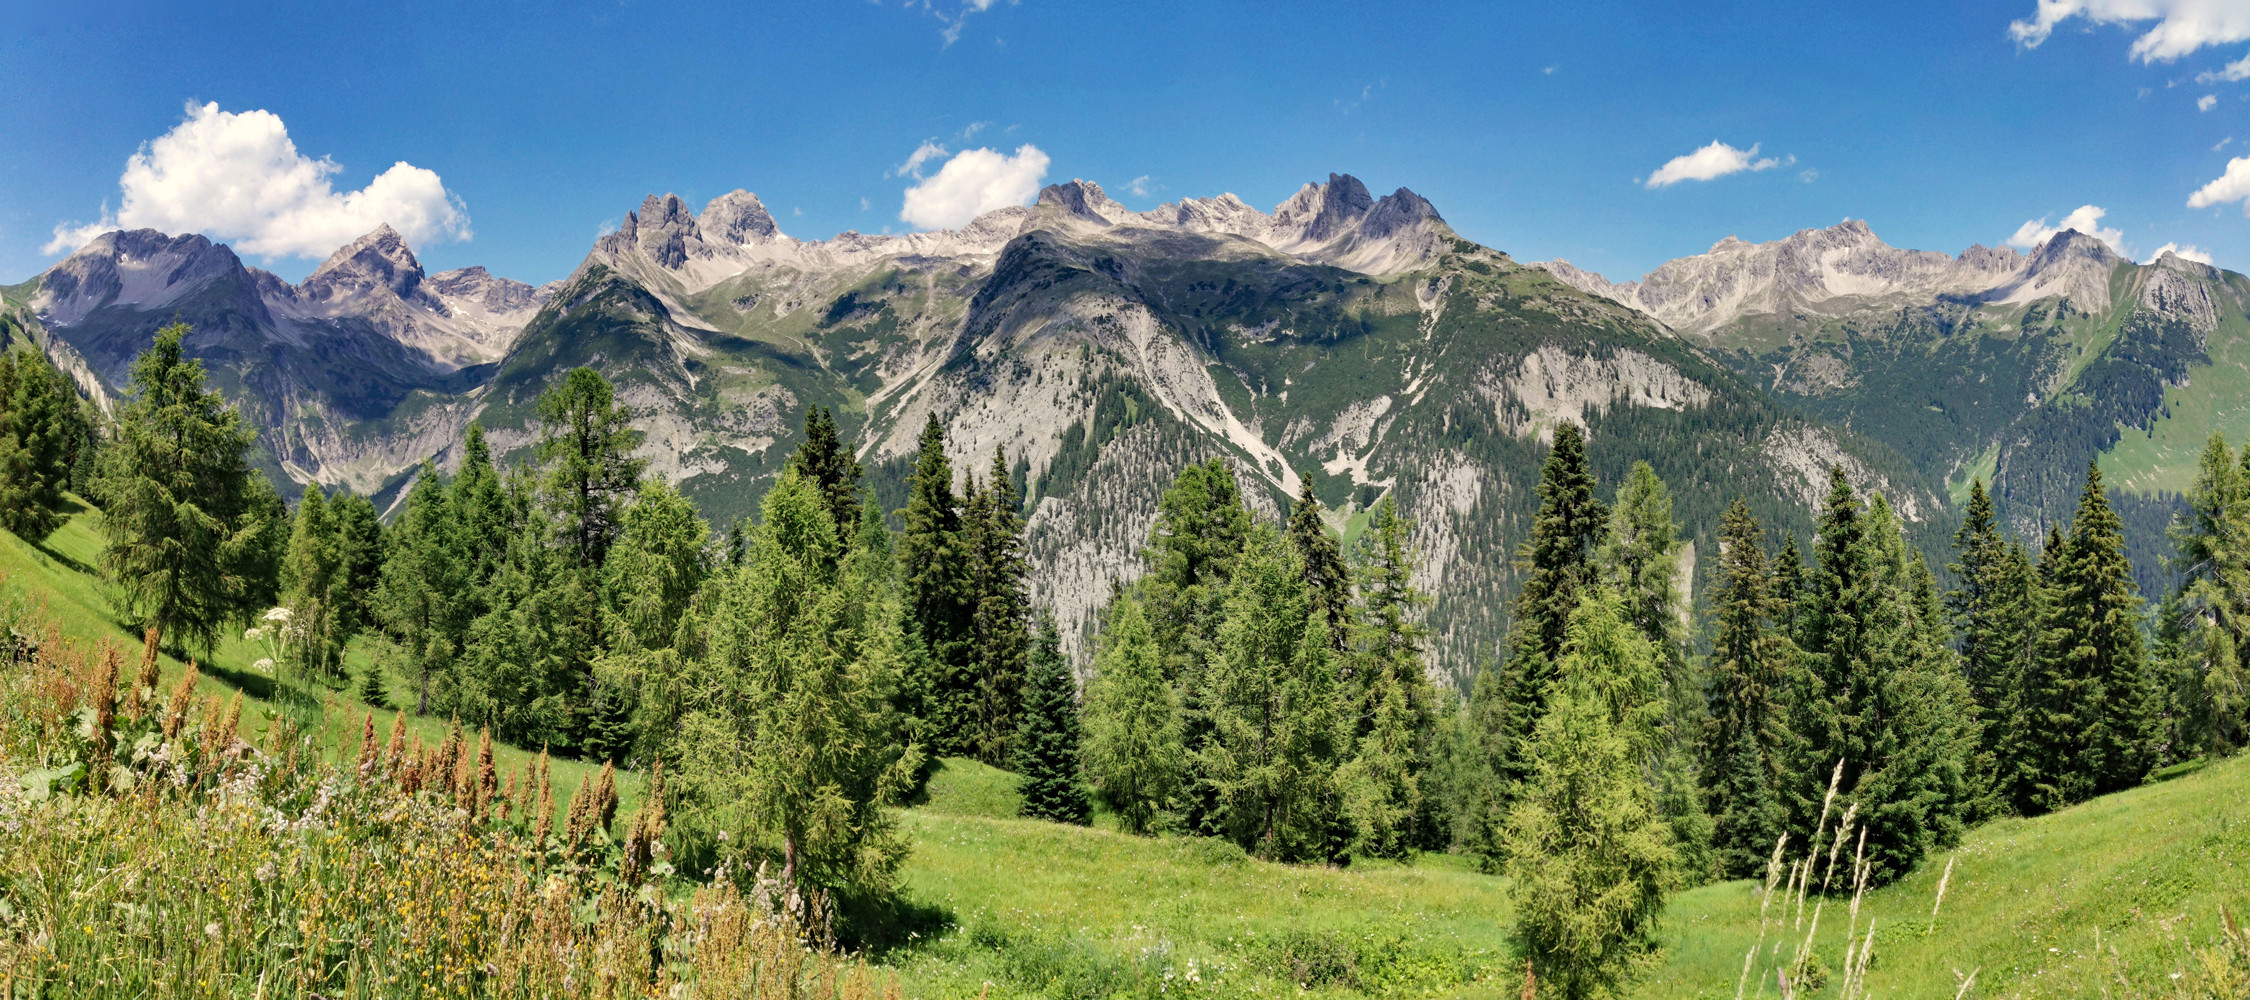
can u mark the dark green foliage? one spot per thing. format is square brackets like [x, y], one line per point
[2091, 701]
[189, 533]
[41, 427]
[1557, 562]
[935, 565]
[827, 462]
[992, 531]
[1201, 528]
[1047, 745]
[2207, 621]
[1267, 768]
[1328, 579]
[1747, 735]
[423, 598]
[1396, 723]
[313, 585]
[1995, 615]
[1883, 693]
[586, 443]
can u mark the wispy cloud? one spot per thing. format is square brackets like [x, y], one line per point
[1139, 187]
[1712, 162]
[2182, 26]
[2206, 102]
[924, 153]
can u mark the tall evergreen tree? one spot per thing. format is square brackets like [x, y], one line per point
[1589, 858]
[1201, 527]
[1882, 694]
[1641, 560]
[1396, 725]
[587, 442]
[2210, 617]
[187, 533]
[1557, 563]
[38, 433]
[1134, 754]
[1789, 588]
[359, 560]
[312, 584]
[935, 568]
[1325, 573]
[826, 461]
[1748, 733]
[421, 598]
[799, 752]
[1276, 737]
[2093, 698]
[998, 580]
[1047, 746]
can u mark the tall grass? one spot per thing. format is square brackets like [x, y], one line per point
[149, 849]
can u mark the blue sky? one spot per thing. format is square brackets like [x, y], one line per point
[1534, 128]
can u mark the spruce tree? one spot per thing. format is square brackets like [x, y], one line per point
[2209, 618]
[2093, 700]
[1789, 589]
[1134, 754]
[1396, 723]
[1589, 858]
[38, 432]
[188, 531]
[935, 565]
[1047, 745]
[1201, 527]
[359, 560]
[826, 461]
[587, 442]
[1557, 563]
[998, 579]
[1640, 558]
[1993, 611]
[422, 596]
[1325, 573]
[1747, 734]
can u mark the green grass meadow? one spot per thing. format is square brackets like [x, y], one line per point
[2106, 898]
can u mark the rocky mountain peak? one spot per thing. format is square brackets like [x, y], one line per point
[2070, 245]
[138, 267]
[666, 230]
[475, 285]
[1322, 211]
[380, 259]
[1398, 211]
[738, 217]
[1083, 200]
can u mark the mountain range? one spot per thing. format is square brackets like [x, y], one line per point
[1351, 343]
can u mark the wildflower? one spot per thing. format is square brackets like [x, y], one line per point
[211, 930]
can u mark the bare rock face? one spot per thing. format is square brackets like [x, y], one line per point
[1846, 268]
[738, 218]
[140, 268]
[378, 260]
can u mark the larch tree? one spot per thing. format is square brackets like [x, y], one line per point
[189, 537]
[1134, 753]
[1589, 858]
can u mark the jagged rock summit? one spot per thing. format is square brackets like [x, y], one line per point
[1846, 268]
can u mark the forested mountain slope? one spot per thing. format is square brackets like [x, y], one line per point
[1349, 340]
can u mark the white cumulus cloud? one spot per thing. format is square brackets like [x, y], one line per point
[1713, 161]
[2086, 219]
[239, 177]
[2206, 102]
[2182, 251]
[973, 182]
[2234, 185]
[2182, 26]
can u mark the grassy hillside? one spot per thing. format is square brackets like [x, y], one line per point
[59, 576]
[2110, 895]
[2060, 906]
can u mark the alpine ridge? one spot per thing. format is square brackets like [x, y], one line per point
[1348, 342]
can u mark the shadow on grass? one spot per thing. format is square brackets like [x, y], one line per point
[880, 927]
